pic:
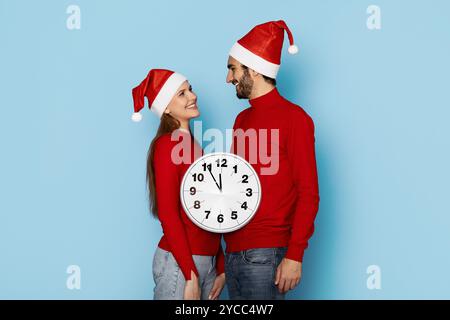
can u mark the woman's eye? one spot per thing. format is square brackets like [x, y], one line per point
[181, 93]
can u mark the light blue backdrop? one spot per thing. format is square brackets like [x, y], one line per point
[73, 163]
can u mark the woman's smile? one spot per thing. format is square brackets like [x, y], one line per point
[192, 106]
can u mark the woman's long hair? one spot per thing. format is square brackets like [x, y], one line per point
[167, 125]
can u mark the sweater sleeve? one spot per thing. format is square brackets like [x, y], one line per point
[301, 155]
[167, 183]
[220, 261]
[236, 125]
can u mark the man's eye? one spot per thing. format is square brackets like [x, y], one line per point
[181, 93]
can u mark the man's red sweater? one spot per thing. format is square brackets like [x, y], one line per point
[181, 237]
[290, 197]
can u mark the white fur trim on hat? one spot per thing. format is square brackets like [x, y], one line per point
[166, 93]
[253, 61]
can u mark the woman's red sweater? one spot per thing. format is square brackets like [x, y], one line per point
[181, 236]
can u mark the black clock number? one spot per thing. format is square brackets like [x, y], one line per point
[207, 166]
[244, 205]
[234, 215]
[220, 218]
[193, 191]
[224, 163]
[207, 213]
[244, 178]
[249, 192]
[197, 204]
[198, 177]
[235, 168]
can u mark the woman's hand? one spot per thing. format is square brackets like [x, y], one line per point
[218, 285]
[192, 289]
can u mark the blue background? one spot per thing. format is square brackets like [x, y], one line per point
[73, 163]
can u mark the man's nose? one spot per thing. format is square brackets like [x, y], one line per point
[229, 77]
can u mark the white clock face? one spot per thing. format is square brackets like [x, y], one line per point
[220, 192]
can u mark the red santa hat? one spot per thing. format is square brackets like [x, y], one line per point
[159, 87]
[260, 49]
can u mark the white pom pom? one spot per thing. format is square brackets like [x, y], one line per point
[136, 117]
[293, 49]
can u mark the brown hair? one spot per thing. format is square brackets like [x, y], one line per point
[167, 125]
[272, 81]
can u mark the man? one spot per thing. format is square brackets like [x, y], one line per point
[264, 258]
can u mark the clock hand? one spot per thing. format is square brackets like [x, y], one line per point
[220, 180]
[214, 179]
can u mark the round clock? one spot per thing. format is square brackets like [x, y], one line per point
[220, 192]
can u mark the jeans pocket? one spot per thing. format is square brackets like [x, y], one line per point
[280, 253]
[258, 256]
[159, 263]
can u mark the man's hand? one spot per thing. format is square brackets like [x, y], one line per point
[288, 275]
[192, 289]
[217, 287]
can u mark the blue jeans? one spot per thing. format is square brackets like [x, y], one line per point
[170, 281]
[250, 274]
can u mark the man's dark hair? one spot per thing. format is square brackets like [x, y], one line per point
[272, 81]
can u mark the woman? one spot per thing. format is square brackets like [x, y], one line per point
[189, 261]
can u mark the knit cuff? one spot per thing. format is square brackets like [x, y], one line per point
[295, 252]
[187, 272]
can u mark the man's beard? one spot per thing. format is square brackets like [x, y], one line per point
[244, 86]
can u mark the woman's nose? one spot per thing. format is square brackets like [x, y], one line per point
[193, 96]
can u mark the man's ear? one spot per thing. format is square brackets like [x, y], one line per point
[167, 111]
[253, 73]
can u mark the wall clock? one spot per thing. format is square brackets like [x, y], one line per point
[220, 192]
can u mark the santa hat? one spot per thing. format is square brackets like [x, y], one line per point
[159, 87]
[260, 49]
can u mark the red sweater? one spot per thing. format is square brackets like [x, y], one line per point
[290, 197]
[181, 236]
